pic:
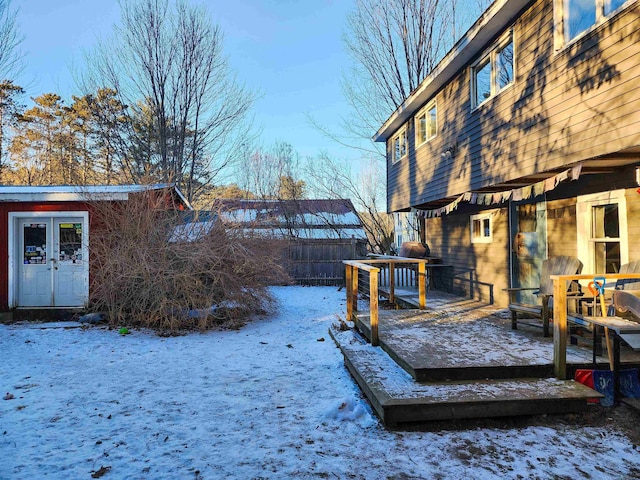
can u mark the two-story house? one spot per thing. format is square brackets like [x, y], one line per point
[524, 143]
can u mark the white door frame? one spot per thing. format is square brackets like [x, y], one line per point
[14, 254]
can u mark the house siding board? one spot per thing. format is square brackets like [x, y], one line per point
[5, 209]
[564, 107]
[449, 238]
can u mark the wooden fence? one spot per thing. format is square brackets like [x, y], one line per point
[319, 261]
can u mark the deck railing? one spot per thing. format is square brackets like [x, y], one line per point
[560, 283]
[364, 276]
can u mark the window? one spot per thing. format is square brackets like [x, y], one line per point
[426, 124]
[602, 231]
[399, 146]
[580, 15]
[494, 72]
[504, 66]
[481, 228]
[605, 235]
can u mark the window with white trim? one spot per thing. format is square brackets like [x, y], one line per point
[493, 72]
[602, 231]
[481, 228]
[426, 124]
[574, 17]
[399, 145]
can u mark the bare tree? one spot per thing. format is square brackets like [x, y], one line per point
[169, 57]
[271, 173]
[394, 45]
[334, 179]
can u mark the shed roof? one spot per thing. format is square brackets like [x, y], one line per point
[73, 193]
[493, 21]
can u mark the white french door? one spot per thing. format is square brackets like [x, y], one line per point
[50, 260]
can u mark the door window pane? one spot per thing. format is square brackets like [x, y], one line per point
[35, 243]
[70, 235]
[527, 218]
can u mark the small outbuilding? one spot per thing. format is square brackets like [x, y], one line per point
[46, 240]
[319, 234]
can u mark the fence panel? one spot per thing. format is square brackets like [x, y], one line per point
[319, 261]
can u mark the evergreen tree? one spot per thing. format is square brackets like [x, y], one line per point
[10, 110]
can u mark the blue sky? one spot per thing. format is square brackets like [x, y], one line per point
[289, 50]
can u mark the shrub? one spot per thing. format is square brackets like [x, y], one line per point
[151, 270]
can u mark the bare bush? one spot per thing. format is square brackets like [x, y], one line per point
[150, 269]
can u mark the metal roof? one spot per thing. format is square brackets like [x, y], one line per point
[493, 21]
[70, 193]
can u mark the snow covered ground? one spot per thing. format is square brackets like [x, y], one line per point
[272, 400]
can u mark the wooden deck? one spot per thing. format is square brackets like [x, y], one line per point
[460, 359]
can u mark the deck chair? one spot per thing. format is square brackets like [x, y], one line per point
[591, 308]
[561, 265]
[626, 296]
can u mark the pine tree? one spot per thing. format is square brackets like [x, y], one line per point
[10, 109]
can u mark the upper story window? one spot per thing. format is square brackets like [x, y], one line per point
[578, 16]
[399, 145]
[426, 123]
[493, 72]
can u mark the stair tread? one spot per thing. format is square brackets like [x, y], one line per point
[392, 384]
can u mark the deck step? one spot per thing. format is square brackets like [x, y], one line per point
[479, 350]
[397, 398]
[632, 402]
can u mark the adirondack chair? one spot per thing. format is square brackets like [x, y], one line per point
[561, 265]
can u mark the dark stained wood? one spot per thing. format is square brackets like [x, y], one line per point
[399, 401]
[319, 261]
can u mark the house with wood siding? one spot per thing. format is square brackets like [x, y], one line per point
[523, 143]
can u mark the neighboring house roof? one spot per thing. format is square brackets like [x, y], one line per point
[196, 225]
[72, 193]
[494, 20]
[324, 218]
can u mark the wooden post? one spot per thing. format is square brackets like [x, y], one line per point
[392, 282]
[349, 276]
[560, 328]
[373, 307]
[354, 292]
[422, 287]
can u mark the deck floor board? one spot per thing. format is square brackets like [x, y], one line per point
[461, 359]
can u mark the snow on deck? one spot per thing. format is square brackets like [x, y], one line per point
[272, 400]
